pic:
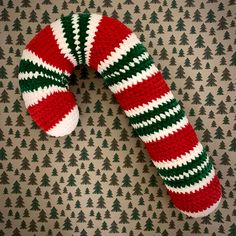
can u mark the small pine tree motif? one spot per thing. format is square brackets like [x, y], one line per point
[222, 25]
[196, 228]
[4, 15]
[101, 202]
[56, 189]
[33, 226]
[67, 224]
[106, 164]
[180, 26]
[20, 202]
[53, 213]
[137, 189]
[114, 180]
[81, 217]
[42, 216]
[4, 178]
[71, 181]
[85, 178]
[210, 17]
[128, 162]
[35, 205]
[232, 230]
[17, 25]
[233, 59]
[25, 165]
[124, 219]
[168, 16]
[153, 18]
[98, 154]
[149, 225]
[114, 228]
[138, 27]
[46, 162]
[126, 182]
[107, 3]
[3, 73]
[135, 215]
[232, 146]
[84, 154]
[116, 205]
[32, 179]
[127, 19]
[45, 181]
[98, 108]
[33, 16]
[68, 142]
[45, 18]
[4, 98]
[97, 188]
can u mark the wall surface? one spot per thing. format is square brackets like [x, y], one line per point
[99, 180]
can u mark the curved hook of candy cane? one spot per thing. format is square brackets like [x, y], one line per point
[111, 48]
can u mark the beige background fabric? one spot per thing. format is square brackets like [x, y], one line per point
[99, 180]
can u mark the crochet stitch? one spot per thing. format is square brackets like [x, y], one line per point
[108, 46]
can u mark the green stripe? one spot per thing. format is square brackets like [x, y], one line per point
[27, 85]
[144, 65]
[29, 66]
[201, 158]
[134, 52]
[188, 181]
[69, 35]
[160, 125]
[83, 27]
[161, 109]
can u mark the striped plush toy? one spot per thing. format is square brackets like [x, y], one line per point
[112, 49]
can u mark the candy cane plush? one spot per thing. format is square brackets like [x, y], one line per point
[108, 46]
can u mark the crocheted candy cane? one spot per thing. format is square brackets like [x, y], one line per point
[112, 49]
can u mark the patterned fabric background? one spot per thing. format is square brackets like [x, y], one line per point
[99, 180]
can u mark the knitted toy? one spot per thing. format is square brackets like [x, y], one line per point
[111, 48]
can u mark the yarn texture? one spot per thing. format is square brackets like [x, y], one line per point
[108, 46]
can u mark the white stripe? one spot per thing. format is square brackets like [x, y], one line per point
[195, 187]
[189, 173]
[139, 77]
[204, 212]
[182, 159]
[156, 118]
[134, 62]
[32, 57]
[75, 26]
[32, 98]
[93, 23]
[57, 30]
[166, 131]
[129, 42]
[66, 125]
[150, 105]
[31, 75]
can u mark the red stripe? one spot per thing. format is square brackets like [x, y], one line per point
[44, 45]
[163, 150]
[199, 200]
[52, 109]
[143, 92]
[110, 32]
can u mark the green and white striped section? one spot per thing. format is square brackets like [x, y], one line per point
[188, 172]
[61, 28]
[124, 47]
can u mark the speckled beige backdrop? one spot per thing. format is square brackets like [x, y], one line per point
[99, 180]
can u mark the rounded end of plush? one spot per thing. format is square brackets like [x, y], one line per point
[66, 125]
